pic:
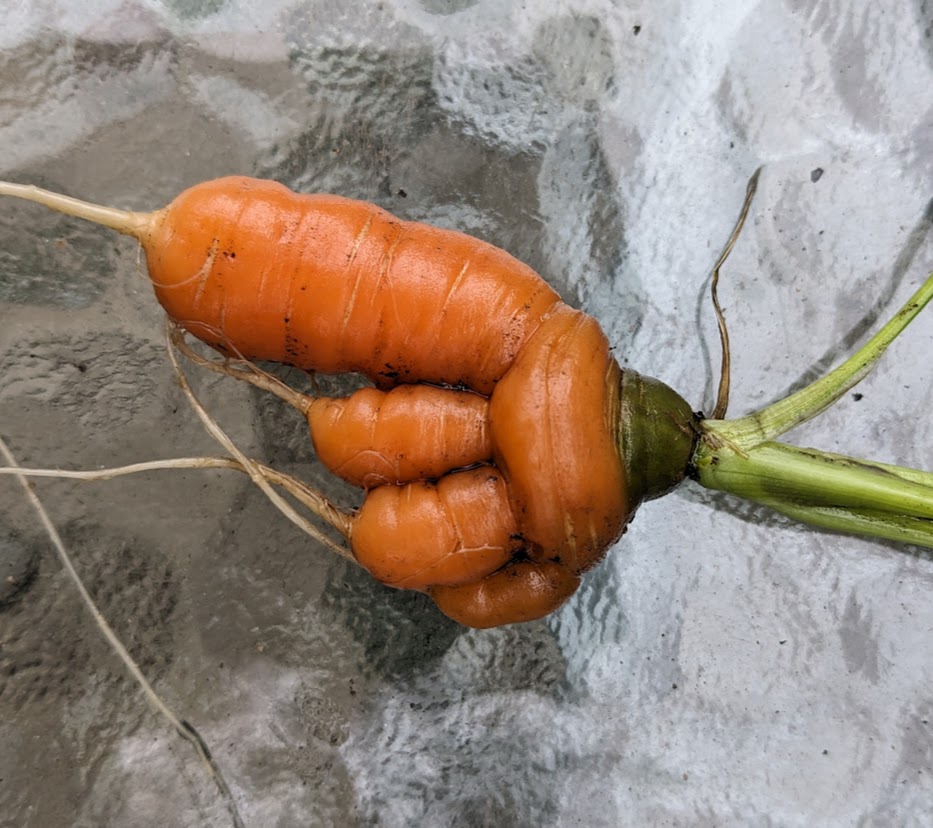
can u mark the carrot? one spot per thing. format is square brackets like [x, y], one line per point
[335, 285]
[553, 418]
[531, 394]
[562, 445]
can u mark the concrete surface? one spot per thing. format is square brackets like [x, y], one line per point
[722, 667]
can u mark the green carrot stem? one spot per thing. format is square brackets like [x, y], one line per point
[780, 417]
[831, 491]
[900, 528]
[828, 490]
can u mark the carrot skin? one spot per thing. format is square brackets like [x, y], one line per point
[413, 432]
[350, 288]
[520, 592]
[552, 419]
[334, 285]
[457, 530]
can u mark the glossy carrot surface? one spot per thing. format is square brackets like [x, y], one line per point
[489, 448]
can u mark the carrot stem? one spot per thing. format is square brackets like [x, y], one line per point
[803, 405]
[831, 491]
[123, 221]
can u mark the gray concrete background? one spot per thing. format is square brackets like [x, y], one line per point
[722, 667]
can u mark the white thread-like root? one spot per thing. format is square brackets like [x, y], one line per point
[302, 492]
[123, 221]
[325, 510]
[242, 370]
[182, 727]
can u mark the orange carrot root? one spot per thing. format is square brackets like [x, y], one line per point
[529, 396]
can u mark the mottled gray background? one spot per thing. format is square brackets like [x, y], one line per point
[722, 667]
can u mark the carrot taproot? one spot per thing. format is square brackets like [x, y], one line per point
[530, 388]
[557, 410]
[336, 285]
[553, 410]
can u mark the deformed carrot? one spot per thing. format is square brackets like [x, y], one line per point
[530, 391]
[562, 444]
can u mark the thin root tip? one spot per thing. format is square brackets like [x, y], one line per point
[123, 221]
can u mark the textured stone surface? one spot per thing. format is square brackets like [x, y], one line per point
[722, 667]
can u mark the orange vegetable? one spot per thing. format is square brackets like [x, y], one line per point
[531, 396]
[553, 418]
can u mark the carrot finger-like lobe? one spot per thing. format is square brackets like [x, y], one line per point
[456, 530]
[552, 418]
[521, 591]
[413, 432]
